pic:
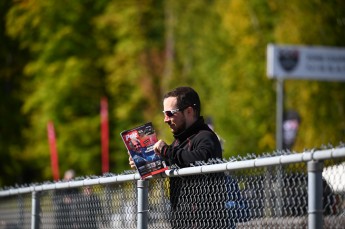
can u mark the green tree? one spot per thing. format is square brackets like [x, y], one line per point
[64, 84]
[81, 51]
[321, 104]
[245, 95]
[249, 108]
[132, 61]
[12, 61]
[61, 57]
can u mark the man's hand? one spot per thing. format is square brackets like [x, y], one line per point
[158, 146]
[131, 162]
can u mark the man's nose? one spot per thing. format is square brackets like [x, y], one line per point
[166, 119]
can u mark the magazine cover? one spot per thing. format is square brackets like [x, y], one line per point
[139, 142]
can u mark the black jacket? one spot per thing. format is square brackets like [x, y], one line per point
[197, 143]
[189, 194]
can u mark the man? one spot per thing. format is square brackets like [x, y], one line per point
[138, 152]
[291, 123]
[65, 200]
[194, 141]
[91, 209]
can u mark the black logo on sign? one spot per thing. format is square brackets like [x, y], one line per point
[288, 59]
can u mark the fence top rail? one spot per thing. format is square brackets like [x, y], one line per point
[306, 156]
[314, 155]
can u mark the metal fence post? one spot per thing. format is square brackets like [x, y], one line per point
[35, 210]
[143, 188]
[21, 211]
[315, 190]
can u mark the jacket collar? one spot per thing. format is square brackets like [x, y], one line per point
[193, 129]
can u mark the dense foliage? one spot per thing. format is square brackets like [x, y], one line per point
[59, 58]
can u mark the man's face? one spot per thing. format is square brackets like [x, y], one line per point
[177, 122]
[136, 145]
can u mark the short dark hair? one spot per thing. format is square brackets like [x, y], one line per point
[186, 96]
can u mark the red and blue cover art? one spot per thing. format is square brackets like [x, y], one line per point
[139, 142]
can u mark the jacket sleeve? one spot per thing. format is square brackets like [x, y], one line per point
[201, 147]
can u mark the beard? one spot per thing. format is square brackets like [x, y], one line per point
[178, 128]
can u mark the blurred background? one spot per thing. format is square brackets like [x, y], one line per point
[59, 58]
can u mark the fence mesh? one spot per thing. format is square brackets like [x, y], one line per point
[266, 197]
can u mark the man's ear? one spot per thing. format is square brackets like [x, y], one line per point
[191, 111]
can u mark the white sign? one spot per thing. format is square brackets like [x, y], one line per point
[335, 176]
[306, 62]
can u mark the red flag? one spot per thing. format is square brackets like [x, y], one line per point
[53, 150]
[105, 135]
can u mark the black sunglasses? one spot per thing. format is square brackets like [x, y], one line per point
[171, 113]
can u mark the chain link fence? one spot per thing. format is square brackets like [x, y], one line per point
[273, 191]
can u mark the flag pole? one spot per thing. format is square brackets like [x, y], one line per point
[54, 159]
[105, 135]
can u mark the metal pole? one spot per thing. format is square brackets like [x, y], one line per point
[143, 189]
[35, 210]
[315, 189]
[21, 211]
[279, 143]
[279, 114]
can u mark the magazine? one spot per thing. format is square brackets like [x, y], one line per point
[139, 142]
